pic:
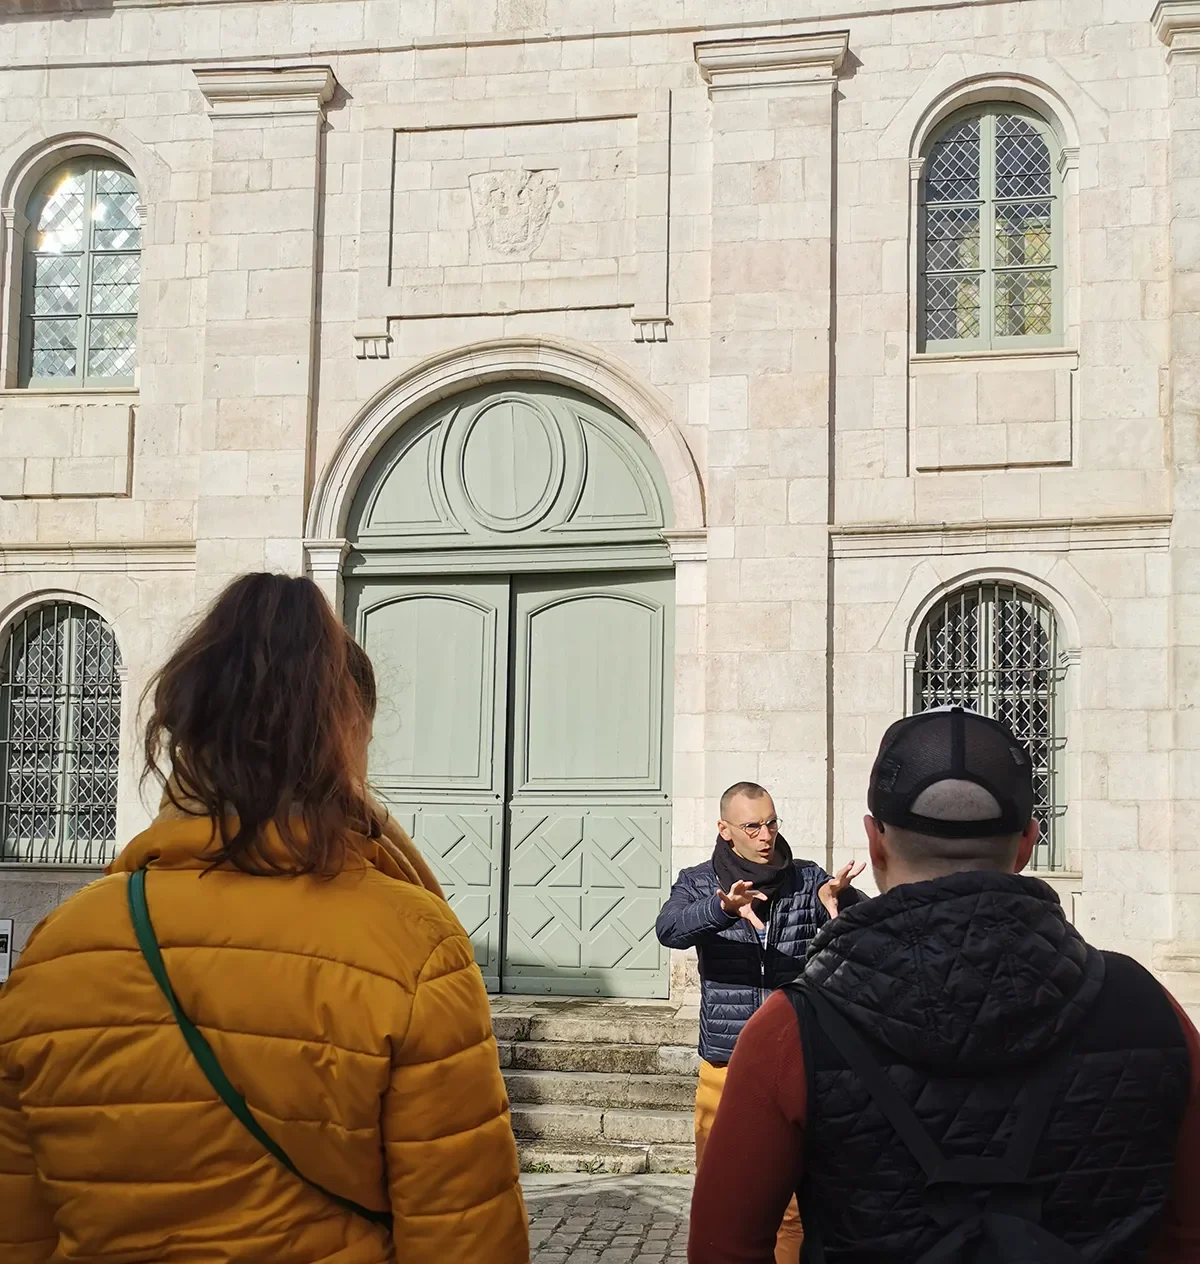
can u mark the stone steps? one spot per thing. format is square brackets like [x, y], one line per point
[599, 1087]
[595, 1088]
[599, 1159]
[594, 1123]
[596, 1022]
[598, 1058]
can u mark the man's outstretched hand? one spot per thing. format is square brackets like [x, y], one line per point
[740, 902]
[829, 893]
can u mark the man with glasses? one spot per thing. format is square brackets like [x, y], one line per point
[750, 913]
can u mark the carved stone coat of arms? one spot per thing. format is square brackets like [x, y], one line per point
[512, 208]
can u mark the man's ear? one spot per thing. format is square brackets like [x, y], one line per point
[1029, 837]
[876, 848]
[723, 830]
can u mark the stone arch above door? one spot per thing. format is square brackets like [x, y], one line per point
[522, 464]
[602, 378]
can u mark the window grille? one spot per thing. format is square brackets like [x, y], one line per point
[995, 648]
[60, 726]
[82, 276]
[991, 228]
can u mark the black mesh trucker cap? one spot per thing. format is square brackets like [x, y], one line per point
[951, 744]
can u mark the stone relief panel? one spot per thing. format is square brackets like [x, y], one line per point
[512, 208]
[526, 217]
[505, 210]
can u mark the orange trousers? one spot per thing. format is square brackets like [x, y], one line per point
[708, 1097]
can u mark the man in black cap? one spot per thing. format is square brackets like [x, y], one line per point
[957, 1073]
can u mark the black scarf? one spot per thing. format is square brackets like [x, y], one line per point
[767, 878]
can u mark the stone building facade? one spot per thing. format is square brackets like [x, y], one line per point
[820, 365]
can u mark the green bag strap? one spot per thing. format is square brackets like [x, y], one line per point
[202, 1051]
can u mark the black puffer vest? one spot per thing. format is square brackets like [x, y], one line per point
[960, 987]
[736, 972]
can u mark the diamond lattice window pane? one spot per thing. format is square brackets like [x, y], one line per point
[112, 346]
[54, 347]
[952, 172]
[85, 261]
[1024, 304]
[951, 238]
[116, 224]
[56, 285]
[115, 281]
[1023, 234]
[1022, 159]
[61, 218]
[951, 307]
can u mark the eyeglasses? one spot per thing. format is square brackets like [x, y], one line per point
[754, 828]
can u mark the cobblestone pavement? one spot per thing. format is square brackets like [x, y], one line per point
[608, 1220]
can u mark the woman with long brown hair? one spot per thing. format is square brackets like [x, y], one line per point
[261, 1038]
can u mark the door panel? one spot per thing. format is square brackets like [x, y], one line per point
[440, 651]
[589, 816]
[594, 654]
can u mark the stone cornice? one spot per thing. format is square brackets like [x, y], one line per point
[136, 555]
[772, 61]
[687, 546]
[920, 539]
[254, 91]
[1177, 24]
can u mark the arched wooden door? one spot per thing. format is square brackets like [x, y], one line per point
[510, 581]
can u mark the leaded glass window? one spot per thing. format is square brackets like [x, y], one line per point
[994, 648]
[60, 733]
[82, 275]
[991, 212]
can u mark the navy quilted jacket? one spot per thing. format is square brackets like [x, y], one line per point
[736, 972]
[963, 986]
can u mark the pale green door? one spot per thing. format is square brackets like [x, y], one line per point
[440, 650]
[522, 740]
[589, 806]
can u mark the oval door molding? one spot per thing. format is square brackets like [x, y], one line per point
[604, 380]
[506, 455]
[521, 463]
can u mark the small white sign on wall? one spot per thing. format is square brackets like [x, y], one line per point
[6, 937]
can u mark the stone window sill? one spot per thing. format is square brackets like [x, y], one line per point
[65, 392]
[998, 361]
[32, 866]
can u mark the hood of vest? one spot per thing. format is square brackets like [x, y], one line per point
[972, 973]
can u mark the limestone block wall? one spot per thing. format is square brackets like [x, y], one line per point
[716, 206]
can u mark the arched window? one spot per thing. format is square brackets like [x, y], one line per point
[60, 726]
[81, 278]
[991, 232]
[995, 648]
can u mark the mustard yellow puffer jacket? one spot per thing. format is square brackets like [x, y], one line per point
[350, 1014]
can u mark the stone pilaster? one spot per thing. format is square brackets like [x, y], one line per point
[768, 446]
[1177, 23]
[260, 319]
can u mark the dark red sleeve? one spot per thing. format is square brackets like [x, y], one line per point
[752, 1160]
[1179, 1241]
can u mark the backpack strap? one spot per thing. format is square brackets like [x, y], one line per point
[202, 1051]
[875, 1080]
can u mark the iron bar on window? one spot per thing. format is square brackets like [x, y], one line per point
[994, 647]
[60, 722]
